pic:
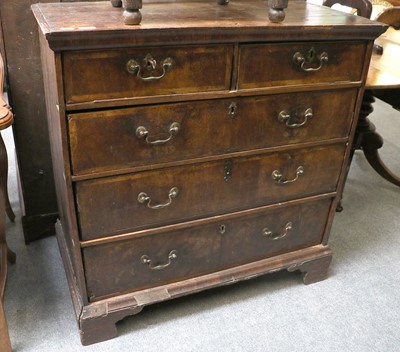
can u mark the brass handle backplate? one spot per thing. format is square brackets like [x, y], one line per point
[171, 256]
[288, 119]
[143, 198]
[142, 132]
[149, 64]
[310, 62]
[268, 233]
[278, 177]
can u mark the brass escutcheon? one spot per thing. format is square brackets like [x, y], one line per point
[232, 110]
[228, 170]
[222, 229]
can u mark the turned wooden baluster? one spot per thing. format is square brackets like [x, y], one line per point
[133, 16]
[276, 12]
[132, 8]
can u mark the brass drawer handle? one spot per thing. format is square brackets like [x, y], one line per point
[142, 132]
[285, 117]
[144, 198]
[171, 256]
[278, 177]
[149, 64]
[268, 233]
[307, 63]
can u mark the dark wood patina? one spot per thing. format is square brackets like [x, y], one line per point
[196, 150]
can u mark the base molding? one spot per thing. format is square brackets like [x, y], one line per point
[97, 320]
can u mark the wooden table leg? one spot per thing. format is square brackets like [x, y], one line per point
[5, 344]
[370, 141]
[4, 178]
[6, 119]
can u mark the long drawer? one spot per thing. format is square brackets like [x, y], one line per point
[159, 259]
[268, 65]
[116, 139]
[119, 204]
[137, 72]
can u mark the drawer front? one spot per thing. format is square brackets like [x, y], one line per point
[116, 74]
[113, 205]
[116, 139]
[268, 65]
[173, 256]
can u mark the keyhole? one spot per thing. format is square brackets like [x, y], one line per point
[228, 169]
[232, 110]
[150, 63]
[311, 55]
[222, 229]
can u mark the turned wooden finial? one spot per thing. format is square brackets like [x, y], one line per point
[276, 11]
[133, 16]
[132, 8]
[132, 13]
[116, 3]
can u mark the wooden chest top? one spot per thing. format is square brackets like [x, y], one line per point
[91, 24]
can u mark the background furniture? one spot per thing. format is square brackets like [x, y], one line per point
[26, 95]
[383, 82]
[6, 119]
[390, 16]
[363, 7]
[205, 167]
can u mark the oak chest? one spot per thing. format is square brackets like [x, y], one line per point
[196, 151]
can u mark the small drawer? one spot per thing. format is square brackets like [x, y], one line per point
[271, 65]
[120, 204]
[119, 74]
[150, 135]
[160, 259]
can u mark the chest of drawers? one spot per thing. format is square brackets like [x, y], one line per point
[192, 152]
